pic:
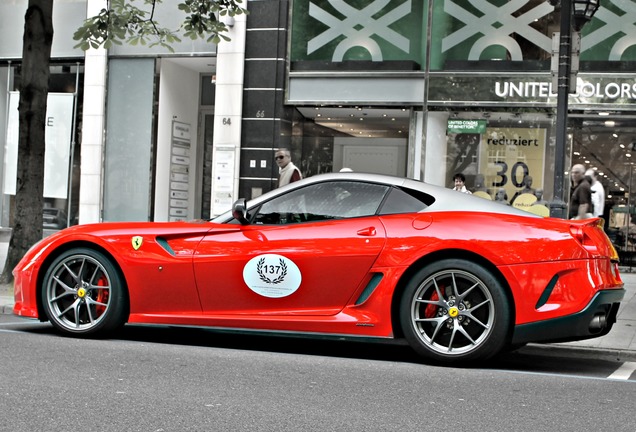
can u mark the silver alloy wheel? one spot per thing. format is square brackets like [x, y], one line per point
[452, 312]
[78, 293]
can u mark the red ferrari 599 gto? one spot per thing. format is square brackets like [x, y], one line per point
[350, 255]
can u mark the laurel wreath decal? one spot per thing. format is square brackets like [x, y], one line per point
[264, 278]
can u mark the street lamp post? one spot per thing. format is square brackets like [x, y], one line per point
[582, 11]
[629, 206]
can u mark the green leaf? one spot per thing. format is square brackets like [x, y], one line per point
[132, 23]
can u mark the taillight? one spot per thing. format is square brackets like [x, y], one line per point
[614, 253]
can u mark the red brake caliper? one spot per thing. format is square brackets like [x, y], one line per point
[431, 309]
[102, 296]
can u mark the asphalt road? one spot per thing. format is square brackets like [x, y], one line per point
[163, 379]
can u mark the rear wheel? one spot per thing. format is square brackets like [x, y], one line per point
[455, 311]
[82, 293]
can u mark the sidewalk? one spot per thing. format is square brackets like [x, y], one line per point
[621, 338]
[6, 299]
[6, 291]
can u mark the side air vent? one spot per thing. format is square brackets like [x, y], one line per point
[164, 244]
[371, 286]
[547, 291]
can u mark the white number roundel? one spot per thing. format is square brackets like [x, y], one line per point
[272, 275]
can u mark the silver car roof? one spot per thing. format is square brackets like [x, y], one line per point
[445, 199]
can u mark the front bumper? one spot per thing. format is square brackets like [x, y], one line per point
[595, 320]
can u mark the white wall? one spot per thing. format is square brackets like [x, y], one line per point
[178, 101]
[376, 155]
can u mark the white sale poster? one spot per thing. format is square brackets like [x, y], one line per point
[59, 121]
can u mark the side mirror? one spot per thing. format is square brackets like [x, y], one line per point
[239, 211]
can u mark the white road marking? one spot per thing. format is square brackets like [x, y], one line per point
[624, 372]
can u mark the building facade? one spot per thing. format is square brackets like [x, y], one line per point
[416, 88]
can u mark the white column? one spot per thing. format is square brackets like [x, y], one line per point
[416, 142]
[228, 108]
[93, 117]
[436, 148]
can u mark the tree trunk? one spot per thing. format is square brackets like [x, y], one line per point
[29, 200]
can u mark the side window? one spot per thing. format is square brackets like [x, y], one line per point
[401, 201]
[324, 201]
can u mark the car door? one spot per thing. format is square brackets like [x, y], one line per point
[306, 252]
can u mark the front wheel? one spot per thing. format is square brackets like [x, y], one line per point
[83, 294]
[455, 311]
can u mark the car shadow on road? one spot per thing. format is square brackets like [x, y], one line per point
[547, 359]
[389, 350]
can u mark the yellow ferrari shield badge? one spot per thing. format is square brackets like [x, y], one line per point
[137, 241]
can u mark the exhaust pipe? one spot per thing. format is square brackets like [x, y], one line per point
[599, 322]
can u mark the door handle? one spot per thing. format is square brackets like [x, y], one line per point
[368, 232]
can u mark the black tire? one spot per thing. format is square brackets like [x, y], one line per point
[83, 293]
[455, 311]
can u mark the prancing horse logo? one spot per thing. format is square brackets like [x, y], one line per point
[137, 241]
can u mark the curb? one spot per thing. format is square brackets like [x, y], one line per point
[558, 349]
[7, 299]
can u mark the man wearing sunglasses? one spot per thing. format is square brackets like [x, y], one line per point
[287, 171]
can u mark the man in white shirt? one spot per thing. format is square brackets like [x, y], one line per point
[287, 171]
[460, 183]
[598, 193]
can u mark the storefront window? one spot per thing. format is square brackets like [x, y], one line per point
[607, 144]
[517, 35]
[128, 154]
[62, 157]
[365, 139]
[506, 157]
[609, 42]
[496, 34]
[368, 35]
[487, 35]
